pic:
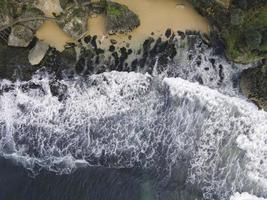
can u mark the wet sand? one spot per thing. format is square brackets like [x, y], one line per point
[156, 17]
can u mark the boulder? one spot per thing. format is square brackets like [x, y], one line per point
[22, 33]
[73, 21]
[253, 84]
[120, 18]
[20, 36]
[38, 52]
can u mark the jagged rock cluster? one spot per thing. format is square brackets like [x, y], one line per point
[25, 18]
[242, 24]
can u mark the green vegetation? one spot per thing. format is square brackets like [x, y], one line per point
[3, 4]
[115, 10]
[243, 27]
[246, 42]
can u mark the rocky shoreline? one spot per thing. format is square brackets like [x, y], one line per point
[239, 32]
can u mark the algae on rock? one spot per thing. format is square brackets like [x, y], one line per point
[120, 19]
[253, 84]
[242, 25]
[74, 20]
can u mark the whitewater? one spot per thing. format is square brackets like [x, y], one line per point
[132, 119]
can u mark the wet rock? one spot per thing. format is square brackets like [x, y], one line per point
[23, 33]
[36, 15]
[241, 26]
[168, 33]
[87, 39]
[73, 21]
[112, 48]
[237, 17]
[253, 39]
[20, 36]
[66, 3]
[37, 53]
[93, 42]
[113, 41]
[69, 57]
[97, 7]
[59, 90]
[120, 19]
[14, 63]
[253, 84]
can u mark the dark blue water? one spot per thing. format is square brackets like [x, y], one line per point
[90, 183]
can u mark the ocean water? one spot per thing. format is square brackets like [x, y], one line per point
[131, 135]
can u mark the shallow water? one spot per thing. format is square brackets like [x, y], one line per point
[156, 16]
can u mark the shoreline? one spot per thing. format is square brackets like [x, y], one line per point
[156, 17]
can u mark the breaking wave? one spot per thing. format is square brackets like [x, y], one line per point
[120, 119]
[124, 120]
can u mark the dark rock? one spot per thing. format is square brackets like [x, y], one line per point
[120, 19]
[168, 33]
[14, 63]
[69, 57]
[147, 44]
[112, 48]
[237, 17]
[100, 51]
[241, 24]
[59, 90]
[253, 39]
[130, 51]
[113, 41]
[253, 84]
[181, 34]
[212, 61]
[97, 7]
[93, 42]
[87, 39]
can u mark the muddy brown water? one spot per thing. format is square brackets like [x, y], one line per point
[156, 17]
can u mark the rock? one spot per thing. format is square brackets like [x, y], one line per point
[74, 20]
[14, 63]
[241, 25]
[5, 17]
[113, 41]
[253, 84]
[23, 33]
[97, 7]
[38, 52]
[168, 33]
[253, 39]
[33, 13]
[237, 17]
[65, 3]
[20, 36]
[50, 8]
[120, 19]
[69, 56]
[225, 3]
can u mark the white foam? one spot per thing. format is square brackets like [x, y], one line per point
[129, 119]
[245, 196]
[238, 122]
